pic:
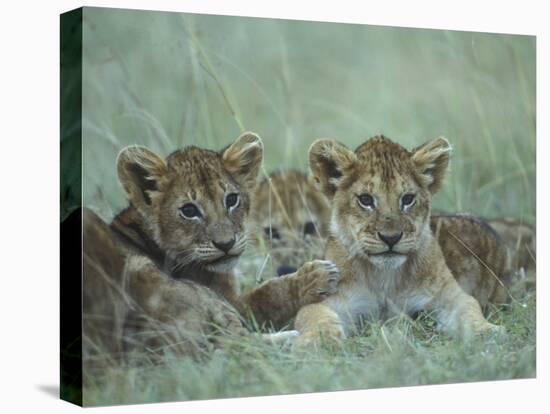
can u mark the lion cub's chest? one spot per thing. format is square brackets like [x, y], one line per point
[377, 297]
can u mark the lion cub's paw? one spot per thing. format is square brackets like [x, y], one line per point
[318, 280]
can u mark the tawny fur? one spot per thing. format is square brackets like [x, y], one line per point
[290, 216]
[157, 278]
[473, 251]
[520, 237]
[379, 280]
[476, 255]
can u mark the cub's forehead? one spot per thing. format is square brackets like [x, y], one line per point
[198, 170]
[384, 163]
[186, 159]
[380, 151]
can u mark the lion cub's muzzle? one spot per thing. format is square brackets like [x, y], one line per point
[224, 246]
[390, 239]
[222, 254]
[230, 247]
[389, 249]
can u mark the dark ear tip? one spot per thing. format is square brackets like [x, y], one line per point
[132, 151]
[444, 142]
[441, 143]
[437, 147]
[251, 138]
[124, 155]
[320, 145]
[137, 156]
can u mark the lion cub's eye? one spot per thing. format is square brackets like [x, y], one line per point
[272, 233]
[310, 229]
[190, 211]
[407, 200]
[366, 201]
[232, 201]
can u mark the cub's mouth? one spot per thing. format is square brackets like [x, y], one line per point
[387, 259]
[225, 259]
[225, 263]
[388, 254]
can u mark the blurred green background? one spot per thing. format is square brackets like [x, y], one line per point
[166, 80]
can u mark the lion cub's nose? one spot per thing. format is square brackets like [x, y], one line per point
[224, 246]
[390, 239]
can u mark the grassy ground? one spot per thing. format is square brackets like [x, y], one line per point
[396, 353]
[169, 80]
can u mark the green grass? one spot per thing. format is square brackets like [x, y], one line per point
[167, 80]
[396, 353]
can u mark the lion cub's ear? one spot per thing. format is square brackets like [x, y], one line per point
[243, 159]
[139, 172]
[329, 162]
[432, 160]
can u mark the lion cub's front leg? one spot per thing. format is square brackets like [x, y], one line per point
[317, 322]
[278, 300]
[459, 313]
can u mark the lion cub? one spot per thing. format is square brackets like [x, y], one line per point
[520, 237]
[290, 216]
[381, 240]
[162, 272]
